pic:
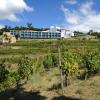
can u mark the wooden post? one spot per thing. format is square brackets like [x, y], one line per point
[61, 75]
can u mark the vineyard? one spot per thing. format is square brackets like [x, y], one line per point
[50, 69]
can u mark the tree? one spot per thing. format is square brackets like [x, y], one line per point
[1, 31]
[17, 28]
[6, 28]
[98, 36]
[90, 32]
[29, 25]
[17, 36]
[25, 68]
[77, 33]
[69, 65]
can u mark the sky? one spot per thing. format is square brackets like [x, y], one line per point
[79, 15]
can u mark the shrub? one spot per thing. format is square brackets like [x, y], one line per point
[69, 65]
[25, 68]
[91, 63]
[47, 62]
[3, 72]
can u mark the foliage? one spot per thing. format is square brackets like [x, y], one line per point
[98, 36]
[38, 65]
[3, 72]
[69, 64]
[77, 33]
[10, 60]
[55, 60]
[47, 62]
[25, 67]
[91, 61]
[7, 76]
[17, 36]
[29, 25]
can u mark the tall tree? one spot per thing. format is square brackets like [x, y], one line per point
[29, 25]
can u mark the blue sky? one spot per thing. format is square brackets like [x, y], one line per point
[45, 13]
[71, 14]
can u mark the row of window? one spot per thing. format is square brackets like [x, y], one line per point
[32, 33]
[38, 35]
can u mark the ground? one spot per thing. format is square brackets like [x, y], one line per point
[49, 87]
[46, 87]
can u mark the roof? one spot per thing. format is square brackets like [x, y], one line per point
[31, 31]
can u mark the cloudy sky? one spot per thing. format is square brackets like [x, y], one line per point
[81, 15]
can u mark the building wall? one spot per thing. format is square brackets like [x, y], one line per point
[67, 33]
[33, 34]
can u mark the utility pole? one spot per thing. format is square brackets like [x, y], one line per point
[60, 69]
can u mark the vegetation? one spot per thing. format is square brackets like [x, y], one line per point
[3, 72]
[77, 33]
[28, 26]
[41, 61]
[25, 68]
[91, 63]
[69, 65]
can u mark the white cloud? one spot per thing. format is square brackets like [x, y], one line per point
[72, 2]
[10, 8]
[70, 16]
[84, 18]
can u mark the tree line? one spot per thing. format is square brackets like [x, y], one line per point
[28, 26]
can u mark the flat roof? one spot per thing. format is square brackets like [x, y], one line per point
[33, 31]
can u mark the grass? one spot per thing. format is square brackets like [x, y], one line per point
[10, 60]
[48, 83]
[41, 47]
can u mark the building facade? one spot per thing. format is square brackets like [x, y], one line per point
[36, 34]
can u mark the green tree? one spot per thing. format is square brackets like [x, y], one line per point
[98, 36]
[29, 25]
[6, 28]
[77, 33]
[17, 36]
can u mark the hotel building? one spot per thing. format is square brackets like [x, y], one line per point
[36, 34]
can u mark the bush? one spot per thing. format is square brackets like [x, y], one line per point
[69, 66]
[3, 72]
[47, 62]
[55, 60]
[91, 63]
[25, 68]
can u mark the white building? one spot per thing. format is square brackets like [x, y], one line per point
[51, 33]
[54, 29]
[66, 33]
